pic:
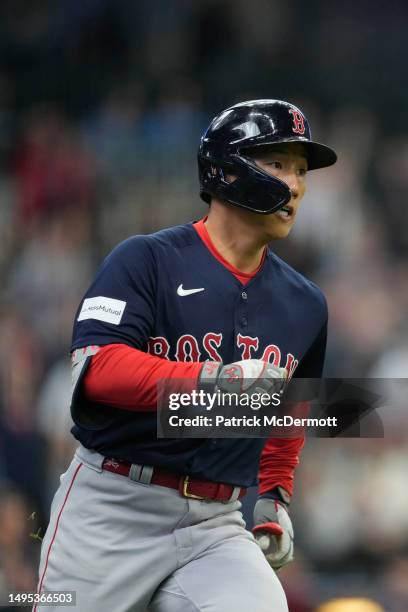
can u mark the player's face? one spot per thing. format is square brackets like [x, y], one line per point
[288, 163]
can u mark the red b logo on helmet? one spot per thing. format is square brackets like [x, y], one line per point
[298, 121]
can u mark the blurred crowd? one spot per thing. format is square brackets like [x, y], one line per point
[102, 105]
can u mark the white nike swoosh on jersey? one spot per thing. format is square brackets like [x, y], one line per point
[183, 292]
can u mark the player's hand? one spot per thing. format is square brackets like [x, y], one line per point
[273, 531]
[247, 376]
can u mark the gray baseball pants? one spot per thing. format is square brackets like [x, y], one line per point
[127, 546]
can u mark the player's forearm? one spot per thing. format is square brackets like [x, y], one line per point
[279, 460]
[127, 378]
[280, 457]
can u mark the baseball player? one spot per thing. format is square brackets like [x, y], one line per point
[141, 523]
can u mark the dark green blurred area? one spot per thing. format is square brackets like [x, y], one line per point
[71, 52]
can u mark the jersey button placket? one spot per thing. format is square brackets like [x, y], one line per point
[243, 318]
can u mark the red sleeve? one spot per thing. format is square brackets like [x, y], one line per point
[279, 458]
[127, 378]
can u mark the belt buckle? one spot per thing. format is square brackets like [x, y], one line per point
[186, 493]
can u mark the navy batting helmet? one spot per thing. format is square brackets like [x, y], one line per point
[224, 150]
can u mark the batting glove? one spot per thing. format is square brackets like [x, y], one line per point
[247, 376]
[273, 531]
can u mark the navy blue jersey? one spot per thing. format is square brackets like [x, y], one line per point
[167, 294]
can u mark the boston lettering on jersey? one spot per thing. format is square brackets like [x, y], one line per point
[179, 302]
[190, 349]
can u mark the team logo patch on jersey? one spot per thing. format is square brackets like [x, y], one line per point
[102, 309]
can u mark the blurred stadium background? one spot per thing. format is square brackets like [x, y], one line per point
[102, 103]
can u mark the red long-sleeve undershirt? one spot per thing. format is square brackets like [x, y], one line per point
[279, 458]
[127, 378]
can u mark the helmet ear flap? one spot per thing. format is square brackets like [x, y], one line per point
[252, 189]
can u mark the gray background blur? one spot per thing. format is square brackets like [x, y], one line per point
[102, 103]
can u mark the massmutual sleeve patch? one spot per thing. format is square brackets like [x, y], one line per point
[102, 309]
